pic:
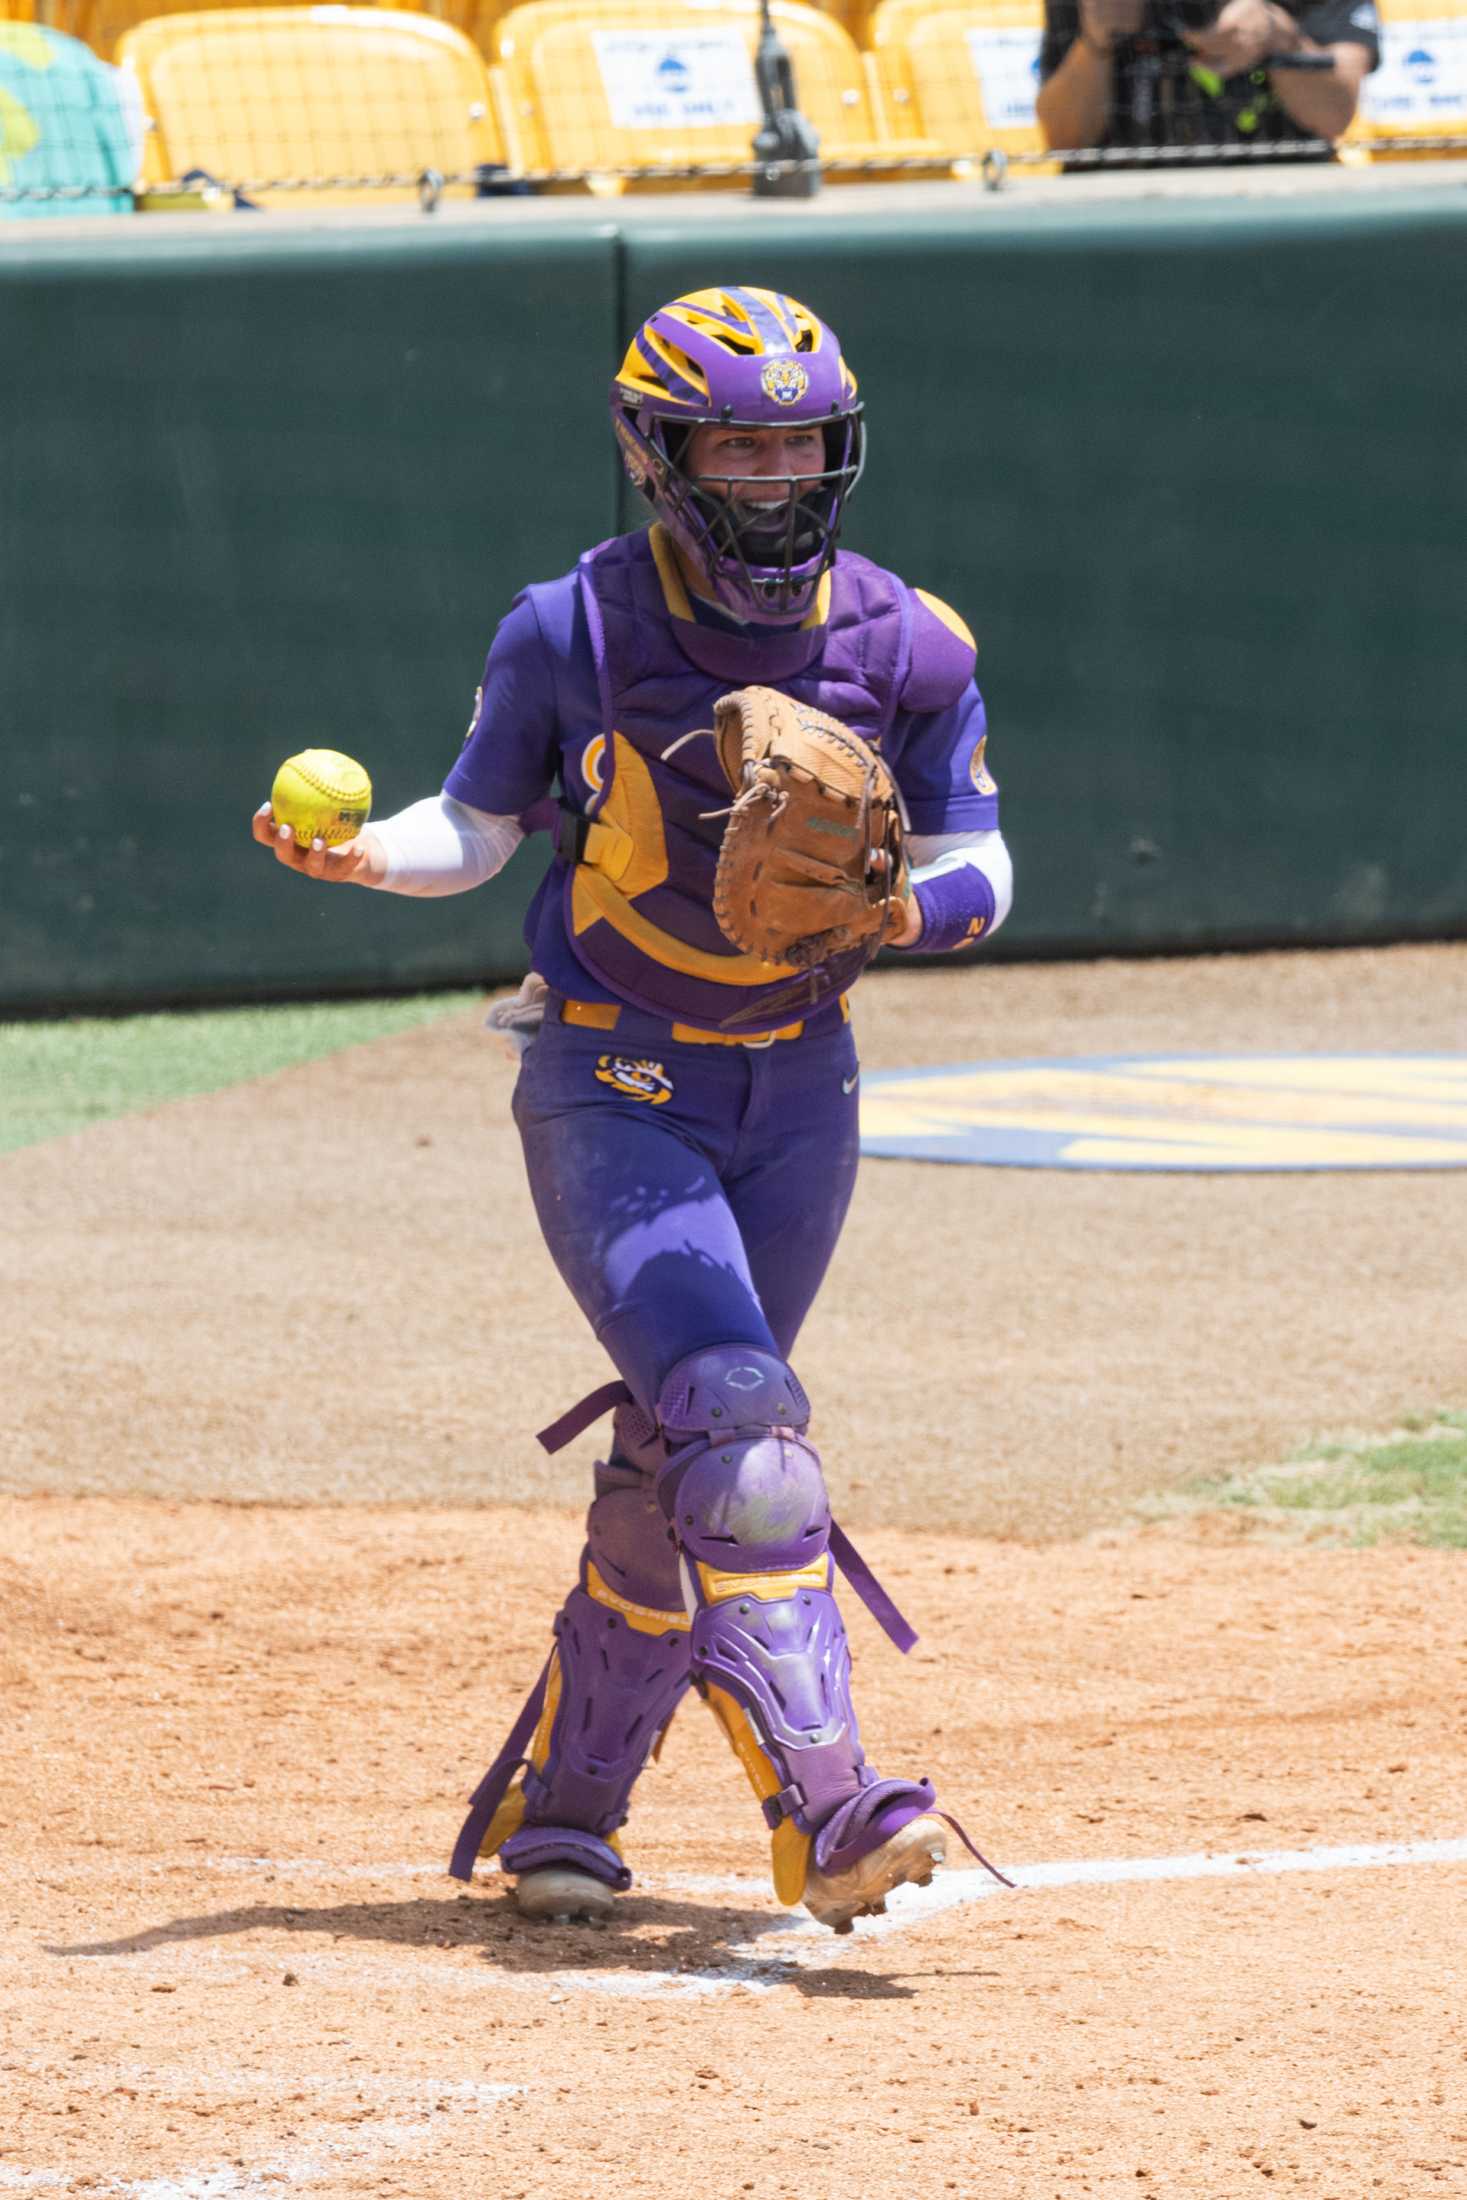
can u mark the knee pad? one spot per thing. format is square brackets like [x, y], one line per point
[742, 1486]
[728, 1386]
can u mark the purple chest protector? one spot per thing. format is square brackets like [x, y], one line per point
[639, 902]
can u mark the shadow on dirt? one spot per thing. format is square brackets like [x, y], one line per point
[654, 1937]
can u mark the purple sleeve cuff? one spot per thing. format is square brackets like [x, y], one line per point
[957, 908]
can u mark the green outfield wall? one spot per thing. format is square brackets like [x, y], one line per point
[1193, 471]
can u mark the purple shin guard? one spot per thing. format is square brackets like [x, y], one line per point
[786, 1663]
[619, 1669]
[746, 1497]
[619, 1686]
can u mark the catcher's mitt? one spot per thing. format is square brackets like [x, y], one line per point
[811, 863]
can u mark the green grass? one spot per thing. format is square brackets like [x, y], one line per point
[1408, 1488]
[59, 1077]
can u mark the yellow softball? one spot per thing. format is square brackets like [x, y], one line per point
[321, 795]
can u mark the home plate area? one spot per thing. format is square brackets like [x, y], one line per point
[1195, 1112]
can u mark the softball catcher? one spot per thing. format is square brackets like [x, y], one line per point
[760, 758]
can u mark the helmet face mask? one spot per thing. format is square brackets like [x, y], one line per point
[749, 360]
[763, 557]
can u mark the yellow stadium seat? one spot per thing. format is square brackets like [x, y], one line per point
[102, 22]
[1420, 88]
[482, 15]
[255, 95]
[852, 16]
[606, 85]
[961, 73]
[479, 17]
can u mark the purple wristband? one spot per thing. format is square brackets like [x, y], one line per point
[957, 908]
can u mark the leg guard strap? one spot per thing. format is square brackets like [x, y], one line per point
[494, 1786]
[870, 1818]
[869, 1590]
[535, 1847]
[578, 1418]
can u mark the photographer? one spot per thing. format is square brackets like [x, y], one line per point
[1119, 73]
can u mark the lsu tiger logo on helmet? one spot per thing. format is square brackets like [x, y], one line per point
[785, 380]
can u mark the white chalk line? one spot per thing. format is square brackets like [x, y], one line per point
[810, 1946]
[789, 1944]
[229, 2181]
[1066, 1872]
[238, 2083]
[953, 1889]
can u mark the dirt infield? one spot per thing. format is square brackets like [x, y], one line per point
[240, 1735]
[234, 1965]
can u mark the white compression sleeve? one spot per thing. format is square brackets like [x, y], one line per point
[930, 854]
[439, 846]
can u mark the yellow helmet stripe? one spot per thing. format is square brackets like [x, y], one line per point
[672, 356]
[713, 313]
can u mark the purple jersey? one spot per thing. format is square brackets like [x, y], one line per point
[615, 656]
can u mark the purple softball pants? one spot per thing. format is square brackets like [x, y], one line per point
[705, 1212]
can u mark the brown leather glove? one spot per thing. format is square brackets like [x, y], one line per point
[811, 863]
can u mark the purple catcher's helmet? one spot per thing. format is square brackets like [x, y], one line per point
[751, 359]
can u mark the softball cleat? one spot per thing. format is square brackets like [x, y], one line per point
[910, 1856]
[558, 1894]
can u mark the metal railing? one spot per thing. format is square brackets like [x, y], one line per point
[991, 163]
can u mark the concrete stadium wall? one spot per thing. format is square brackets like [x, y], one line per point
[1192, 470]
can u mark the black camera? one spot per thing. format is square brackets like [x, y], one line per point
[1171, 22]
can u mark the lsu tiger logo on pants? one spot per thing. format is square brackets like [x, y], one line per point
[635, 1080]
